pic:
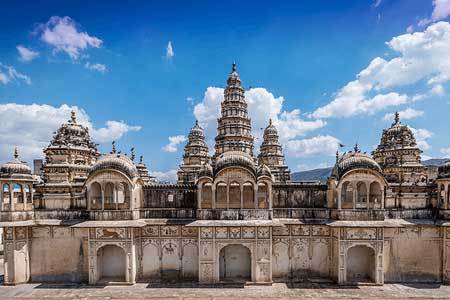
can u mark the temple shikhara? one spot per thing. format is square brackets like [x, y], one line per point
[234, 213]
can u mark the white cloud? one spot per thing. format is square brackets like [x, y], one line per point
[173, 143]
[169, 50]
[406, 114]
[421, 56]
[30, 128]
[410, 28]
[441, 10]
[445, 152]
[95, 67]
[8, 74]
[63, 35]
[262, 106]
[165, 177]
[318, 145]
[377, 3]
[422, 135]
[26, 54]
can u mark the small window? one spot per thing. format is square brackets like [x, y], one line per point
[170, 198]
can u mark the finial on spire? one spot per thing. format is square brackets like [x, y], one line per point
[337, 155]
[73, 116]
[270, 122]
[132, 155]
[397, 118]
[141, 158]
[357, 148]
[113, 151]
[196, 122]
[233, 69]
[16, 153]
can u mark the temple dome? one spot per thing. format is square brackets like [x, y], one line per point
[115, 161]
[235, 158]
[355, 160]
[205, 171]
[397, 136]
[444, 171]
[263, 170]
[15, 168]
[270, 129]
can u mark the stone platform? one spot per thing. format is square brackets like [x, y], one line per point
[187, 291]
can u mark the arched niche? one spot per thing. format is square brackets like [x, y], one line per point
[235, 263]
[347, 195]
[376, 195]
[111, 260]
[221, 195]
[235, 195]
[248, 195]
[361, 264]
[263, 195]
[206, 195]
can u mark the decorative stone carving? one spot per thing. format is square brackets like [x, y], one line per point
[361, 233]
[235, 232]
[206, 232]
[189, 231]
[150, 231]
[300, 230]
[248, 232]
[319, 230]
[170, 231]
[206, 250]
[221, 233]
[110, 233]
[280, 230]
[263, 232]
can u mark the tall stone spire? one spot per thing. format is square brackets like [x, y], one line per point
[234, 125]
[195, 155]
[271, 154]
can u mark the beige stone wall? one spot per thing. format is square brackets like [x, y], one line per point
[413, 254]
[301, 251]
[58, 254]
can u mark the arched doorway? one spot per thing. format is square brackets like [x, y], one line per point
[360, 264]
[111, 263]
[235, 263]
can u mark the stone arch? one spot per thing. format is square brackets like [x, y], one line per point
[151, 261]
[235, 195]
[109, 195]
[235, 263]
[263, 195]
[111, 263]
[6, 192]
[375, 194]
[189, 263]
[17, 193]
[248, 195]
[280, 259]
[28, 190]
[361, 264]
[95, 195]
[347, 195]
[361, 198]
[170, 261]
[206, 193]
[221, 195]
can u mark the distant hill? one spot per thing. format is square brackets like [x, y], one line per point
[323, 173]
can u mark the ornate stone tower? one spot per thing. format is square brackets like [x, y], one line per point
[195, 155]
[271, 154]
[399, 155]
[67, 161]
[234, 125]
[143, 171]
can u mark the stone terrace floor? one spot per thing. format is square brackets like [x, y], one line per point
[187, 291]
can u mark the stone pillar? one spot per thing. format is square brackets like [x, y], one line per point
[241, 188]
[199, 198]
[355, 194]
[103, 198]
[255, 196]
[11, 198]
[213, 196]
[339, 197]
[228, 195]
[368, 195]
[446, 197]
[382, 198]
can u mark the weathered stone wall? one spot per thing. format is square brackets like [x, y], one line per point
[58, 254]
[170, 196]
[299, 195]
[301, 252]
[413, 254]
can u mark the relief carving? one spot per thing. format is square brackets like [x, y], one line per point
[300, 230]
[248, 232]
[361, 233]
[221, 232]
[189, 231]
[235, 232]
[206, 232]
[170, 231]
[263, 232]
[150, 231]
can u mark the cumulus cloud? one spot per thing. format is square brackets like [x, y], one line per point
[422, 135]
[9, 74]
[445, 152]
[262, 106]
[406, 114]
[318, 145]
[95, 67]
[169, 50]
[30, 128]
[173, 143]
[26, 54]
[421, 56]
[441, 10]
[63, 35]
[165, 177]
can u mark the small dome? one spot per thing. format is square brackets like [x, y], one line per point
[264, 170]
[444, 171]
[15, 168]
[355, 160]
[196, 131]
[205, 171]
[235, 158]
[115, 161]
[397, 136]
[270, 129]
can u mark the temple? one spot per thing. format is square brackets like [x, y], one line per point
[232, 216]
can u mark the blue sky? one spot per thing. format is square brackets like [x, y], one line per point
[299, 62]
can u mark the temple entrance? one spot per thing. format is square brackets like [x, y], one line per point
[235, 263]
[360, 264]
[111, 264]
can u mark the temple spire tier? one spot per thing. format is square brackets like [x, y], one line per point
[234, 125]
[271, 154]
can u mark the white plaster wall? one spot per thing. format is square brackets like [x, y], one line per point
[150, 261]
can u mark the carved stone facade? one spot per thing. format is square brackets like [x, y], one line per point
[230, 217]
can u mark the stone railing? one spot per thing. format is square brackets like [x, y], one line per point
[8, 216]
[381, 214]
[167, 213]
[234, 214]
[61, 214]
[301, 213]
[113, 215]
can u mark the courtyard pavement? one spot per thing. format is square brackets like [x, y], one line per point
[188, 291]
